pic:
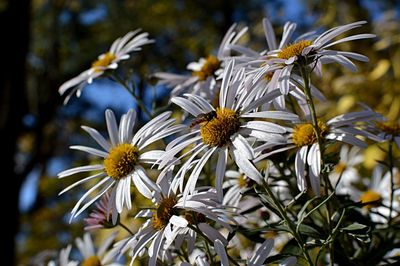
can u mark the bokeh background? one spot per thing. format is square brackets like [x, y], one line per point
[46, 42]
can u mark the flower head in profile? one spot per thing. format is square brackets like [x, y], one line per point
[203, 80]
[345, 172]
[236, 185]
[119, 50]
[223, 130]
[308, 50]
[266, 76]
[101, 216]
[375, 196]
[272, 68]
[122, 160]
[343, 128]
[173, 221]
[63, 258]
[101, 256]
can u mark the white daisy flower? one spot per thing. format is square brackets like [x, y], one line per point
[123, 159]
[103, 256]
[308, 52]
[392, 256]
[341, 128]
[119, 51]
[203, 80]
[63, 258]
[224, 129]
[264, 74]
[171, 221]
[345, 172]
[236, 184]
[376, 194]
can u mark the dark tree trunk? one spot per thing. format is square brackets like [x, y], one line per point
[14, 21]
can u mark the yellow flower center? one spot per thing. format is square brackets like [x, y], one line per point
[294, 49]
[211, 65]
[219, 129]
[304, 135]
[103, 61]
[390, 127]
[121, 160]
[242, 181]
[371, 196]
[340, 167]
[91, 261]
[268, 76]
[164, 212]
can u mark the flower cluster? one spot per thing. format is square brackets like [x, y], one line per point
[253, 175]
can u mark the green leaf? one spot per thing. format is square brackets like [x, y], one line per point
[308, 230]
[302, 212]
[268, 203]
[303, 216]
[355, 227]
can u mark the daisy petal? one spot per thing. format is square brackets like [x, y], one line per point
[262, 253]
[220, 249]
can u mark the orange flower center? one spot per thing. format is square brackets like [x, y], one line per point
[91, 261]
[211, 65]
[103, 61]
[121, 160]
[164, 212]
[371, 196]
[390, 127]
[294, 49]
[219, 129]
[304, 135]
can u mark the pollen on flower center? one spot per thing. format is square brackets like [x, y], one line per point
[91, 261]
[164, 212]
[294, 49]
[121, 160]
[268, 76]
[390, 127]
[340, 167]
[103, 61]
[218, 130]
[304, 135]
[242, 181]
[211, 65]
[371, 196]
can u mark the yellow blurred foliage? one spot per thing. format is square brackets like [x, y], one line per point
[381, 69]
[371, 155]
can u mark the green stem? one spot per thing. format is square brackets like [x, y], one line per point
[391, 166]
[332, 235]
[126, 228]
[289, 223]
[307, 91]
